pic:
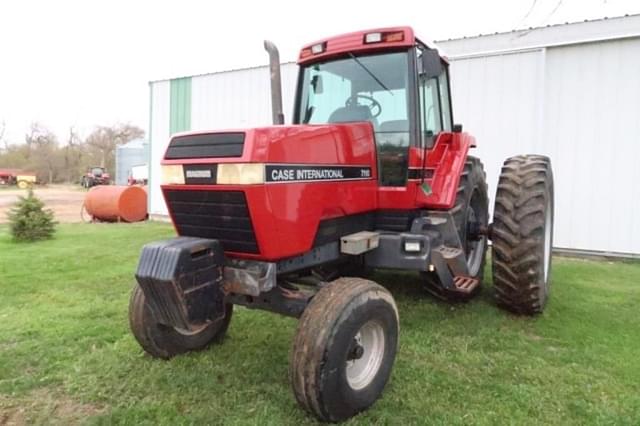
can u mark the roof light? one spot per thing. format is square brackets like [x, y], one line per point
[388, 37]
[306, 52]
[394, 36]
[318, 48]
[373, 38]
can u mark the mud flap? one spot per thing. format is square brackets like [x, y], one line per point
[182, 281]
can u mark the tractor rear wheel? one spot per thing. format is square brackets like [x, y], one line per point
[161, 341]
[23, 184]
[344, 348]
[522, 234]
[471, 215]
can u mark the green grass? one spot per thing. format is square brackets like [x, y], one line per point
[66, 354]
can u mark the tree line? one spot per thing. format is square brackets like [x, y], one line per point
[56, 161]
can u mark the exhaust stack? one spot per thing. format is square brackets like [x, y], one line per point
[276, 84]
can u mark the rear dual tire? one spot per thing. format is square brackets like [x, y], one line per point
[522, 234]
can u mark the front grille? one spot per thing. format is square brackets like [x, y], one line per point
[212, 145]
[219, 215]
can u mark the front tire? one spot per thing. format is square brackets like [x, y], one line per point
[344, 348]
[522, 234]
[161, 341]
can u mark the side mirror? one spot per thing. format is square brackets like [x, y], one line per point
[457, 128]
[431, 64]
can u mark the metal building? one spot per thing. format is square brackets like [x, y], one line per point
[569, 91]
[129, 155]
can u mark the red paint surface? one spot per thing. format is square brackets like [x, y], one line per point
[286, 216]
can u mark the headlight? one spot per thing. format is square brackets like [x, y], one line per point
[240, 174]
[172, 175]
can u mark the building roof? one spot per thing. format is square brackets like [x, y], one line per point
[621, 27]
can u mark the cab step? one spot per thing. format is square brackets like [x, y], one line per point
[465, 284]
[461, 290]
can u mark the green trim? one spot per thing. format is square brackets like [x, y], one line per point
[180, 101]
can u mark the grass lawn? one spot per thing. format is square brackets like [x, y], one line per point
[66, 354]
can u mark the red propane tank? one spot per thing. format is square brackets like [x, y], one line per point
[114, 203]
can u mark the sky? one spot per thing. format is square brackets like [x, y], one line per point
[85, 63]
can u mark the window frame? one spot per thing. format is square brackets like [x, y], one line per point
[425, 142]
[445, 73]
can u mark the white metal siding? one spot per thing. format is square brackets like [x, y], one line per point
[577, 104]
[159, 137]
[238, 99]
[592, 128]
[497, 98]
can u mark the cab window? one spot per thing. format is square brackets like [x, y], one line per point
[431, 118]
[435, 104]
[443, 81]
[369, 88]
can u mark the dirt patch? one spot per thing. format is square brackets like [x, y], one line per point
[64, 200]
[45, 406]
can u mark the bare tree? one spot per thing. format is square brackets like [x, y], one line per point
[52, 162]
[73, 155]
[42, 151]
[3, 128]
[104, 140]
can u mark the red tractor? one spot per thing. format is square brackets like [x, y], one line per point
[373, 173]
[95, 176]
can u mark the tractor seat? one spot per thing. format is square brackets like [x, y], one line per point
[351, 113]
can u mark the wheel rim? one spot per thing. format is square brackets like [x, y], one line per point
[362, 370]
[193, 332]
[474, 244]
[547, 241]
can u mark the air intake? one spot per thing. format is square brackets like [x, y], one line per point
[210, 145]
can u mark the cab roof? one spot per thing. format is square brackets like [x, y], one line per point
[356, 42]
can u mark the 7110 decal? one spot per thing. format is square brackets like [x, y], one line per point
[312, 173]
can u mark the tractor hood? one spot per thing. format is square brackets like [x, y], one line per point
[249, 188]
[271, 154]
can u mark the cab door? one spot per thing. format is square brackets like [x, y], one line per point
[436, 127]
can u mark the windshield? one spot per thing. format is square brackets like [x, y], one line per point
[363, 88]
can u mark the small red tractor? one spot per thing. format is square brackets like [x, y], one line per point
[95, 176]
[373, 173]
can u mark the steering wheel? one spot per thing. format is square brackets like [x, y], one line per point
[374, 106]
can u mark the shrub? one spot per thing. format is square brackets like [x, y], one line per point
[28, 221]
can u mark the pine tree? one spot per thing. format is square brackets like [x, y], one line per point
[28, 221]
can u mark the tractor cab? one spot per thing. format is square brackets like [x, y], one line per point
[401, 89]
